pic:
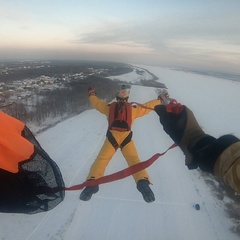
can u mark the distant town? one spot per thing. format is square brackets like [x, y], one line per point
[22, 81]
[39, 92]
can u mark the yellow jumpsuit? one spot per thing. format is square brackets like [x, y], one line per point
[129, 150]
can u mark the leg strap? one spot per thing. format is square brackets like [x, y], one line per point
[114, 143]
[126, 140]
[112, 140]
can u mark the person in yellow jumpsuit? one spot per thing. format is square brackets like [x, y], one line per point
[119, 139]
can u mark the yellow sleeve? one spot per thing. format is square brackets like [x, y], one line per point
[140, 111]
[99, 104]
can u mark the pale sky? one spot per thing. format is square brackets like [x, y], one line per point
[201, 34]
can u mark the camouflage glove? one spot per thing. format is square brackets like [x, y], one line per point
[216, 156]
[180, 124]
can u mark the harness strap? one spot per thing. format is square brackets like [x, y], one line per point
[126, 140]
[112, 140]
[120, 119]
[114, 143]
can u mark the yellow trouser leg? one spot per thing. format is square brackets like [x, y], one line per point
[105, 155]
[131, 156]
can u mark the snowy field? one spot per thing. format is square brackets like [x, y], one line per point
[118, 211]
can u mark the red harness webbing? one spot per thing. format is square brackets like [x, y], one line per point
[121, 174]
[125, 116]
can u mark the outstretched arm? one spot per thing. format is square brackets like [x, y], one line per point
[97, 103]
[143, 109]
[220, 157]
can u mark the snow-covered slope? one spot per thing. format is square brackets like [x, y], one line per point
[118, 211]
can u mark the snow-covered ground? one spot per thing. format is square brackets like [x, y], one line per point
[118, 211]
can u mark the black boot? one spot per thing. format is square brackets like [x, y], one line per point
[88, 191]
[145, 190]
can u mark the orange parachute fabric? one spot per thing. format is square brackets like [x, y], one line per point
[14, 148]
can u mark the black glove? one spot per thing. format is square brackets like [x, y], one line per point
[173, 124]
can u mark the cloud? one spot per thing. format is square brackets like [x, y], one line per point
[120, 34]
[195, 46]
[161, 33]
[13, 14]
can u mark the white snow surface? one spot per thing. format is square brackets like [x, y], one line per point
[118, 211]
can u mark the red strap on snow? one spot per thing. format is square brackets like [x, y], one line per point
[121, 174]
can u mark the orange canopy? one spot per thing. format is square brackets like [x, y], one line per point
[14, 148]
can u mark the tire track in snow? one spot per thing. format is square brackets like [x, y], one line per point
[63, 229]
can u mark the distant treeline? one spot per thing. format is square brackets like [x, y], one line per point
[152, 83]
[27, 70]
[50, 105]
